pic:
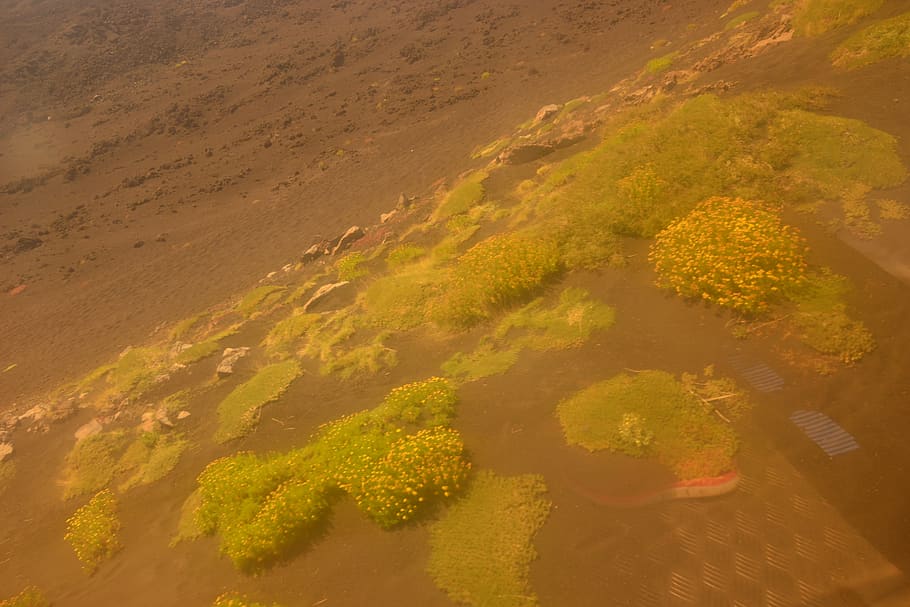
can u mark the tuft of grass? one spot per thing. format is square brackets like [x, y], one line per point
[349, 267]
[822, 320]
[569, 323]
[481, 550]
[877, 42]
[136, 371]
[404, 255]
[491, 149]
[29, 597]
[399, 301]
[485, 361]
[815, 17]
[732, 253]
[464, 196]
[255, 301]
[206, 348]
[740, 19]
[183, 328]
[285, 333]
[650, 414]
[238, 413]
[150, 458]
[366, 359]
[92, 463]
[661, 64]
[187, 528]
[501, 271]
[92, 531]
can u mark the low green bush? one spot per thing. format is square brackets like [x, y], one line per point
[92, 530]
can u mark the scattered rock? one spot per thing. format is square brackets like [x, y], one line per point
[386, 217]
[229, 359]
[314, 252]
[183, 415]
[90, 429]
[322, 294]
[522, 153]
[148, 422]
[546, 112]
[35, 414]
[161, 237]
[353, 234]
[138, 244]
[162, 418]
[18, 289]
[6, 449]
[287, 267]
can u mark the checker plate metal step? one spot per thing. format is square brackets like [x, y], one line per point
[824, 432]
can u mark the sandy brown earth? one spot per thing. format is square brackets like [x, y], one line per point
[157, 158]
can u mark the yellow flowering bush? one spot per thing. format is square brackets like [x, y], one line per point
[731, 252]
[30, 597]
[430, 402]
[232, 599]
[92, 530]
[417, 469]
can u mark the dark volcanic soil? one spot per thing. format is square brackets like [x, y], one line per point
[158, 157]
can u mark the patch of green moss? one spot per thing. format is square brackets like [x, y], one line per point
[650, 414]
[569, 323]
[404, 255]
[823, 323]
[740, 19]
[88, 382]
[150, 458]
[285, 333]
[399, 301]
[484, 361]
[92, 463]
[350, 267]
[254, 302]
[880, 41]
[183, 328]
[238, 413]
[481, 550]
[815, 17]
[365, 359]
[468, 193]
[206, 348]
[137, 370]
[92, 531]
[661, 64]
[29, 597]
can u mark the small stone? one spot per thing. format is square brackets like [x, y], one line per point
[138, 244]
[161, 237]
[386, 217]
[162, 418]
[353, 234]
[6, 450]
[90, 429]
[229, 359]
[36, 413]
[287, 267]
[271, 275]
[545, 112]
[183, 415]
[317, 250]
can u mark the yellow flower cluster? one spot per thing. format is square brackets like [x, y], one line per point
[417, 469]
[733, 253]
[92, 530]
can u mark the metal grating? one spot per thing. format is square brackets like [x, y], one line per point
[824, 432]
[759, 375]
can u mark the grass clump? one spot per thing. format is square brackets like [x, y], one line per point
[815, 17]
[238, 413]
[463, 197]
[650, 414]
[92, 530]
[733, 253]
[366, 359]
[500, 271]
[206, 348]
[285, 333]
[92, 463]
[399, 301]
[403, 255]
[349, 267]
[569, 323]
[880, 41]
[29, 597]
[396, 461]
[482, 549]
[232, 599]
[254, 302]
[491, 149]
[150, 458]
[661, 64]
[484, 361]
[822, 320]
[137, 370]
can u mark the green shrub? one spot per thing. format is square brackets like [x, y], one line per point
[879, 41]
[500, 271]
[400, 301]
[815, 17]
[426, 403]
[650, 414]
[238, 413]
[92, 530]
[285, 333]
[349, 266]
[30, 597]
[417, 469]
[482, 548]
[733, 253]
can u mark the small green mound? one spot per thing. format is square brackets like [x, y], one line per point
[285, 333]
[204, 349]
[661, 64]
[350, 267]
[464, 196]
[29, 597]
[365, 359]
[650, 414]
[482, 548]
[821, 317]
[569, 323]
[815, 17]
[92, 530]
[880, 41]
[484, 361]
[733, 253]
[136, 371]
[500, 271]
[238, 413]
[232, 599]
[254, 302]
[150, 458]
[92, 463]
[399, 301]
[404, 255]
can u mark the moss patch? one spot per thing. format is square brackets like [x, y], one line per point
[661, 64]
[482, 549]
[468, 193]
[238, 413]
[92, 463]
[30, 597]
[740, 19]
[92, 531]
[350, 267]
[484, 361]
[257, 300]
[650, 414]
[150, 458]
[882, 40]
[815, 17]
[285, 333]
[206, 348]
[569, 323]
